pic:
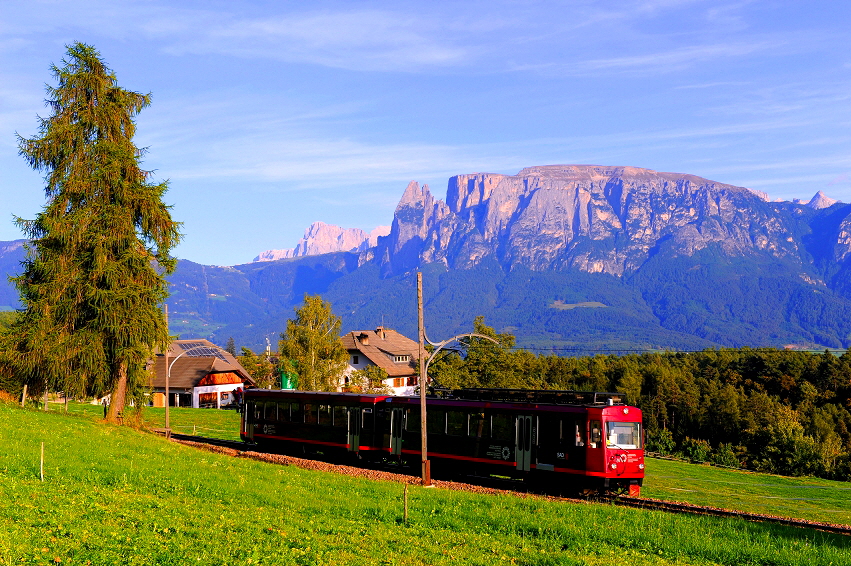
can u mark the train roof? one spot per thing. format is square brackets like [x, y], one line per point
[272, 393]
[566, 398]
[536, 396]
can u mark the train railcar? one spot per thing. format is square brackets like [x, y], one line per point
[307, 421]
[570, 441]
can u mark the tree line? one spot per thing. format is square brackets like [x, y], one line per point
[779, 411]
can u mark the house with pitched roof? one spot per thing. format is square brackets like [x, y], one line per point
[202, 375]
[391, 351]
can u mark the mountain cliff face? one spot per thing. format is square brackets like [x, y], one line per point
[592, 218]
[322, 238]
[568, 257]
[575, 259]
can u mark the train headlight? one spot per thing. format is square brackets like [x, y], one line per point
[613, 466]
[641, 466]
[625, 411]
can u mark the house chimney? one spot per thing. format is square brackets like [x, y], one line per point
[380, 332]
[364, 338]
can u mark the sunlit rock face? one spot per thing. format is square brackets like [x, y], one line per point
[593, 218]
[322, 238]
[821, 200]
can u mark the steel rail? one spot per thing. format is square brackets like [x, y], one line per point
[688, 508]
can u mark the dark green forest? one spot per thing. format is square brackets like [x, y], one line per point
[770, 410]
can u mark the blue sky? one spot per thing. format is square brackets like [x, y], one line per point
[267, 116]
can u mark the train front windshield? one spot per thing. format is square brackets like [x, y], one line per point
[623, 435]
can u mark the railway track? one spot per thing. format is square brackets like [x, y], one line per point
[234, 444]
[636, 502]
[677, 507]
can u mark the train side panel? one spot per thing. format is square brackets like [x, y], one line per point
[332, 423]
[571, 448]
[568, 447]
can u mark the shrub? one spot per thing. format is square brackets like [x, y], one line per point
[696, 450]
[724, 455]
[661, 441]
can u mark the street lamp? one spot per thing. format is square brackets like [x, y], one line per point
[168, 379]
[426, 464]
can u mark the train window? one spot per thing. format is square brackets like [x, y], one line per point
[296, 415]
[596, 433]
[340, 418]
[310, 413]
[368, 419]
[258, 412]
[436, 421]
[578, 433]
[456, 423]
[502, 427]
[270, 413]
[249, 411]
[623, 435]
[283, 412]
[479, 425]
[325, 415]
[412, 419]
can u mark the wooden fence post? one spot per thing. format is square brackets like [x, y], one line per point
[405, 518]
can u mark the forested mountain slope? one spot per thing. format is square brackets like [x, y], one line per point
[575, 257]
[569, 257]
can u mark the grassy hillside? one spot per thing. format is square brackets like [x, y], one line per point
[802, 498]
[808, 498]
[114, 495]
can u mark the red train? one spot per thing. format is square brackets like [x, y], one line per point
[572, 441]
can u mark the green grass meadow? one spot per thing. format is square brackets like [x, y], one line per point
[201, 422]
[115, 495]
[801, 498]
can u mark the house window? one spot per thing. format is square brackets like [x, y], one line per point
[355, 360]
[399, 382]
[399, 359]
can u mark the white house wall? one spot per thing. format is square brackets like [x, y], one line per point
[219, 389]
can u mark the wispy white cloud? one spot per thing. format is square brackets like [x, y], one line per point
[358, 40]
[680, 58]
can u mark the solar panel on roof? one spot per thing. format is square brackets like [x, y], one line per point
[201, 350]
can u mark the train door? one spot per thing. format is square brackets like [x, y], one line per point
[396, 430]
[523, 451]
[248, 421]
[549, 446]
[594, 453]
[353, 437]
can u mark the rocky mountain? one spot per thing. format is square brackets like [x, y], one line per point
[821, 200]
[322, 238]
[592, 218]
[572, 259]
[11, 255]
[569, 258]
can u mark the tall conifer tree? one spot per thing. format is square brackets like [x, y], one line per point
[93, 280]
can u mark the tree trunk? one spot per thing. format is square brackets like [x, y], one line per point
[116, 404]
